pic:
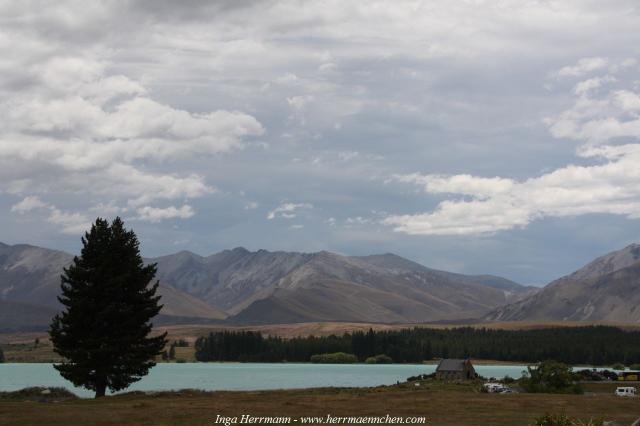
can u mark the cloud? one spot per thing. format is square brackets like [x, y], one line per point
[156, 214]
[492, 204]
[72, 223]
[288, 210]
[27, 204]
[89, 131]
[582, 67]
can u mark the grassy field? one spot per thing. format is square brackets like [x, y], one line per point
[43, 352]
[441, 404]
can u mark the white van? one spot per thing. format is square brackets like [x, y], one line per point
[494, 387]
[626, 391]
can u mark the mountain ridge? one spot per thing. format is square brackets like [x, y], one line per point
[605, 289]
[237, 285]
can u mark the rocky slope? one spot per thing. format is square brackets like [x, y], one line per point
[31, 275]
[607, 289]
[276, 287]
[271, 287]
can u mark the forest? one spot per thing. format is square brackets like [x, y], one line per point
[593, 345]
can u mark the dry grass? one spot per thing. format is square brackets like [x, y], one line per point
[191, 332]
[30, 352]
[442, 406]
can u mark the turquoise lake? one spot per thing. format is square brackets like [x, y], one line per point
[225, 376]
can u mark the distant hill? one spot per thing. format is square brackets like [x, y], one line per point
[30, 278]
[17, 316]
[239, 286]
[606, 289]
[283, 287]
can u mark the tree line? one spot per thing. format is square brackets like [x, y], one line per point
[594, 345]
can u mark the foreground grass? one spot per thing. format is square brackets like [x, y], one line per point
[448, 404]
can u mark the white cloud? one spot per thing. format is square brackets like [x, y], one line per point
[599, 120]
[93, 133]
[156, 214]
[358, 220]
[72, 223]
[586, 86]
[582, 67]
[611, 186]
[27, 204]
[459, 184]
[348, 155]
[288, 210]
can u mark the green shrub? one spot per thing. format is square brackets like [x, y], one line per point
[635, 367]
[564, 420]
[550, 377]
[618, 366]
[334, 358]
[508, 379]
[379, 359]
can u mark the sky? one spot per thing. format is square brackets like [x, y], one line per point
[495, 137]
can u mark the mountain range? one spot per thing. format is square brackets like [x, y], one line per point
[606, 289]
[240, 286]
[243, 287]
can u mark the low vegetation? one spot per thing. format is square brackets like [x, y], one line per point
[593, 345]
[334, 358]
[550, 377]
[38, 393]
[564, 420]
[379, 359]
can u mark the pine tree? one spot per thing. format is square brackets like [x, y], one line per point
[103, 332]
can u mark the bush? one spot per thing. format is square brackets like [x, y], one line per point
[635, 367]
[508, 379]
[550, 377]
[334, 358]
[618, 366]
[37, 393]
[564, 420]
[379, 359]
[421, 377]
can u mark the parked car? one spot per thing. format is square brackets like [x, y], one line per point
[625, 391]
[495, 387]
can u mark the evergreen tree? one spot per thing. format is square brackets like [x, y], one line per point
[103, 332]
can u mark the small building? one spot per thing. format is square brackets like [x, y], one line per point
[455, 369]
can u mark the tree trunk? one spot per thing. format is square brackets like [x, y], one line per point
[100, 390]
